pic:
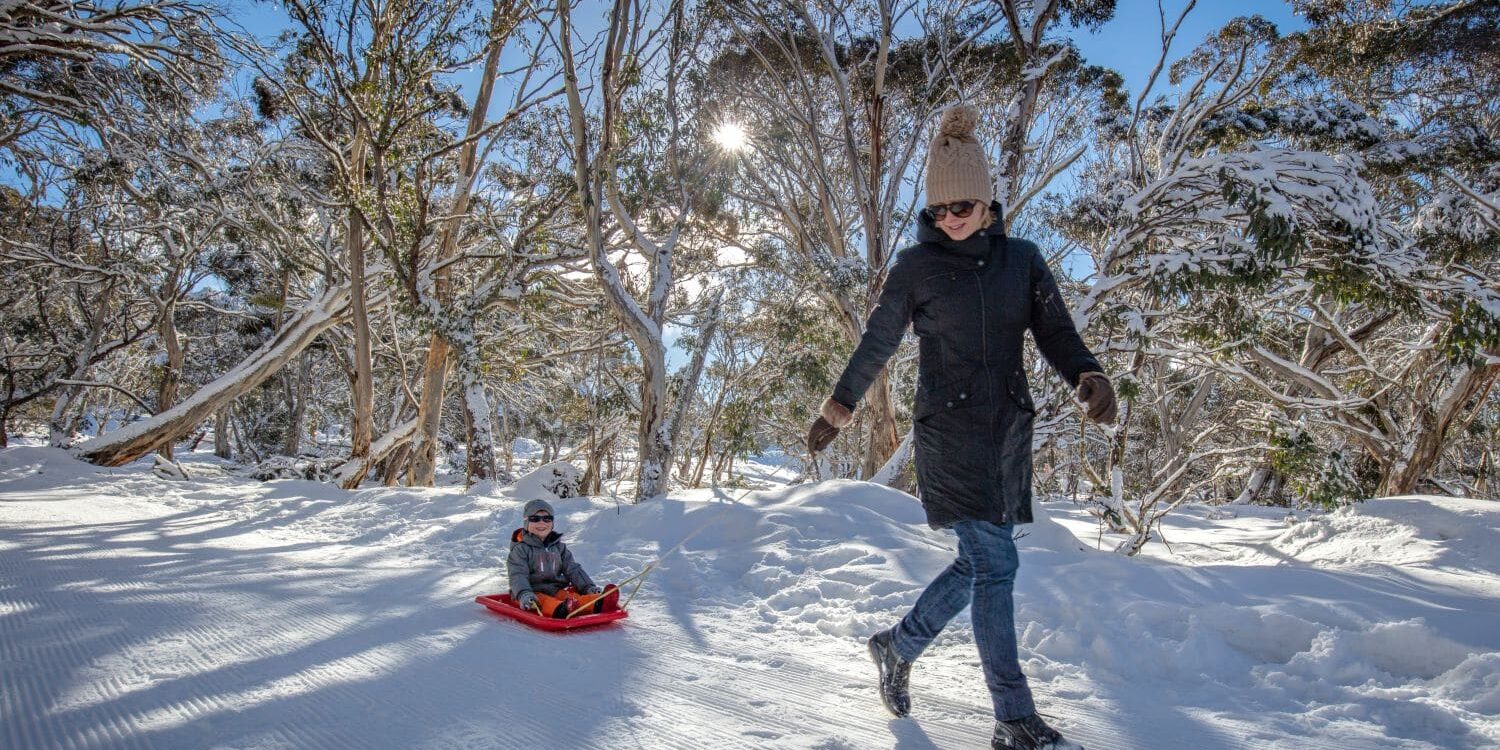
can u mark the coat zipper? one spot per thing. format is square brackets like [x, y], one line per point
[989, 381]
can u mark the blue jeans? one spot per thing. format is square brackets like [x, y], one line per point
[984, 575]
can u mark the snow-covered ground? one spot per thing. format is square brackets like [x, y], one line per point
[142, 612]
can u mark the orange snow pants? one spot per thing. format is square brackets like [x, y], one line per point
[560, 604]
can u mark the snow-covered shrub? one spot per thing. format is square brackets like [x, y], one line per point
[288, 467]
[1336, 484]
[559, 479]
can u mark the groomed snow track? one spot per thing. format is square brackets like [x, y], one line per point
[133, 620]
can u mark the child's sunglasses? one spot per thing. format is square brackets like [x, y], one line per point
[961, 209]
[539, 519]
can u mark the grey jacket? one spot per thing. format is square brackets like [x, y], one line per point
[543, 566]
[971, 304]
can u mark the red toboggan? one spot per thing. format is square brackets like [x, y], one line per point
[502, 604]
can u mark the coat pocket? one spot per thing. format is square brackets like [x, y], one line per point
[950, 396]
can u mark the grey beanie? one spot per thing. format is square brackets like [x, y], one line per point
[957, 168]
[536, 505]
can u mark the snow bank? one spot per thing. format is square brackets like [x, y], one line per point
[1421, 530]
[25, 467]
[553, 481]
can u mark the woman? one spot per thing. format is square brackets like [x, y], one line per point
[970, 293]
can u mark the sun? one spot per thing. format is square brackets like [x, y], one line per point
[731, 137]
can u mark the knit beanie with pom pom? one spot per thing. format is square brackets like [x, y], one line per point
[957, 168]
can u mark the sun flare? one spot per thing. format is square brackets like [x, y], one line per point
[731, 137]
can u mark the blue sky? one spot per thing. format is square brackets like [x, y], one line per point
[1129, 42]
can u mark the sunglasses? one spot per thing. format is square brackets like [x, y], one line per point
[961, 209]
[539, 519]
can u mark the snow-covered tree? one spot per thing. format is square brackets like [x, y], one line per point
[1246, 250]
[66, 310]
[642, 171]
[60, 62]
[136, 171]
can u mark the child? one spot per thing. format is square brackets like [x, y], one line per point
[543, 575]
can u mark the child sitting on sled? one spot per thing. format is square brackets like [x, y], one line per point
[544, 578]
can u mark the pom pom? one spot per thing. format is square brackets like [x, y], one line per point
[959, 121]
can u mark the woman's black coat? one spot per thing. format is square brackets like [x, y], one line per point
[970, 303]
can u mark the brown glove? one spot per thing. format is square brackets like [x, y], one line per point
[832, 417]
[1095, 391]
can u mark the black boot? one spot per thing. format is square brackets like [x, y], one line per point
[1029, 733]
[895, 673]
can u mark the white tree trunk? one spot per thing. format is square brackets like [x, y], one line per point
[591, 172]
[893, 468]
[350, 473]
[481, 437]
[128, 443]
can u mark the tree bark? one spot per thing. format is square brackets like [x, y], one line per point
[880, 418]
[429, 413]
[481, 437]
[296, 398]
[653, 439]
[392, 467]
[221, 433]
[1432, 423]
[363, 371]
[166, 394]
[59, 427]
[350, 473]
[893, 473]
[880, 412]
